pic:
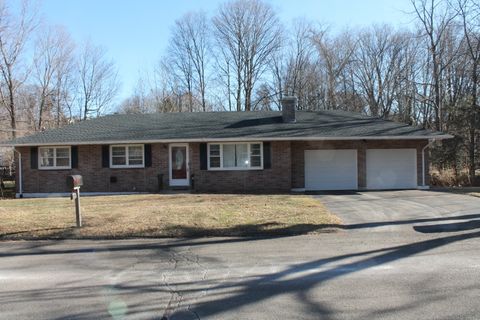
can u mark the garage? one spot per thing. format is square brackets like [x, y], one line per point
[391, 168]
[331, 169]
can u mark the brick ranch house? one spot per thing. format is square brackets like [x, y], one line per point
[230, 152]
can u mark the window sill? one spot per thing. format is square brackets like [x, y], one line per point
[54, 168]
[235, 169]
[127, 167]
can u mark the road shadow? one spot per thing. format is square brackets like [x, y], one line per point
[228, 297]
[270, 229]
[293, 280]
[449, 227]
[407, 221]
[48, 247]
[7, 235]
[247, 232]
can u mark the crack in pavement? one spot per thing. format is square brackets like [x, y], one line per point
[183, 301]
[196, 260]
[174, 294]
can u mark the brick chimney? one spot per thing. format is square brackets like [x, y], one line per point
[289, 105]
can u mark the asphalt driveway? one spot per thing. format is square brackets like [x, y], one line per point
[406, 210]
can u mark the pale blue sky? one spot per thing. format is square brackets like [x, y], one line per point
[136, 32]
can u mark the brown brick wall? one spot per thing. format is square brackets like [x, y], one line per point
[298, 152]
[276, 179]
[286, 172]
[96, 178]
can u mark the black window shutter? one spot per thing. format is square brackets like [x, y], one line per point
[105, 156]
[203, 156]
[34, 157]
[74, 156]
[267, 155]
[148, 155]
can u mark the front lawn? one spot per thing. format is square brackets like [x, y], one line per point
[179, 215]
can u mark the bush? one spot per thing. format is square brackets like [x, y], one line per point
[447, 178]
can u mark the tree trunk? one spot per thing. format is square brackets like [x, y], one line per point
[436, 87]
[85, 110]
[40, 112]
[13, 119]
[471, 153]
[229, 89]
[13, 124]
[473, 123]
[239, 92]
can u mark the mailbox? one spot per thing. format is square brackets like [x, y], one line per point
[74, 181]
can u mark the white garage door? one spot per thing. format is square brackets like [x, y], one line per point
[331, 169]
[391, 168]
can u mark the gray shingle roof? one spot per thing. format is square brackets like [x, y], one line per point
[211, 126]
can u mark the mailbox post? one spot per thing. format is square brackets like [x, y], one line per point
[75, 182]
[78, 213]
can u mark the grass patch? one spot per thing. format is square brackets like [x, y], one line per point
[181, 215]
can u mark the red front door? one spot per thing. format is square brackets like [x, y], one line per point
[179, 165]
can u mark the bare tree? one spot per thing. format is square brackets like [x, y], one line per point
[15, 31]
[140, 101]
[407, 88]
[189, 47]
[435, 18]
[180, 64]
[299, 74]
[158, 91]
[469, 12]
[380, 63]
[249, 33]
[335, 54]
[98, 84]
[223, 78]
[52, 71]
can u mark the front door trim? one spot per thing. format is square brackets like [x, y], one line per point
[178, 182]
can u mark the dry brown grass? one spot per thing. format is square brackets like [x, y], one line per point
[447, 178]
[164, 216]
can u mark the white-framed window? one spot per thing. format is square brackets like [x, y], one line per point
[127, 156]
[235, 156]
[54, 158]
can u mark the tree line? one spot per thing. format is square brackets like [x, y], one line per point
[243, 58]
[46, 79]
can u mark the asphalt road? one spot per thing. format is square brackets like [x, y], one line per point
[347, 275]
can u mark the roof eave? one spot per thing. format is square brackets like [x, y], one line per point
[425, 137]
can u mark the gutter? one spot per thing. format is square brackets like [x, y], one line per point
[20, 182]
[239, 139]
[430, 143]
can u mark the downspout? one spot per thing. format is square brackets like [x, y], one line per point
[20, 183]
[430, 142]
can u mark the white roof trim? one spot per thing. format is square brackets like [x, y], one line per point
[438, 137]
